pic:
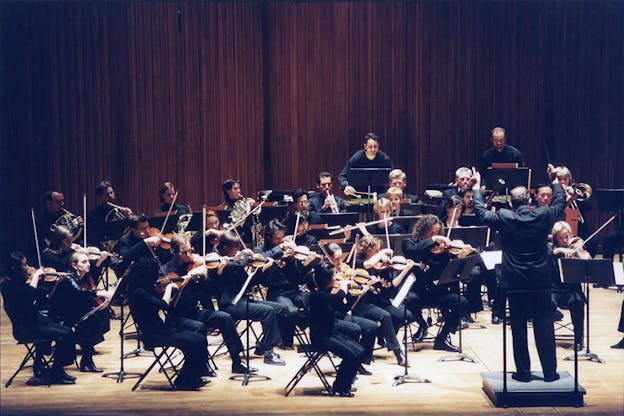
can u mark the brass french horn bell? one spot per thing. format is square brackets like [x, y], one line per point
[582, 191]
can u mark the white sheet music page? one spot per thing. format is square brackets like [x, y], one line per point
[492, 258]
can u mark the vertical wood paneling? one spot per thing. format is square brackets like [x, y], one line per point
[273, 92]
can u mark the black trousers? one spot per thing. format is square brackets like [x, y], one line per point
[194, 346]
[537, 306]
[63, 336]
[352, 355]
[361, 330]
[258, 312]
[621, 324]
[573, 300]
[386, 327]
[451, 305]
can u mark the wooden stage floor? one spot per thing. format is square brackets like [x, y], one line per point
[455, 386]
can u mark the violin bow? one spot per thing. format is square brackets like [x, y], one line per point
[599, 229]
[204, 231]
[296, 227]
[175, 196]
[386, 227]
[84, 221]
[32, 211]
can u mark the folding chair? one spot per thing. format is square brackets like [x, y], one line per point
[313, 355]
[163, 358]
[31, 354]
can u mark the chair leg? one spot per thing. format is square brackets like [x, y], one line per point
[30, 354]
[161, 364]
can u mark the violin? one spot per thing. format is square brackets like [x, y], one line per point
[182, 281]
[49, 274]
[165, 239]
[455, 247]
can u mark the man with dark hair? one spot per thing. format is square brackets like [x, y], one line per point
[369, 157]
[105, 211]
[137, 242]
[324, 199]
[54, 212]
[526, 273]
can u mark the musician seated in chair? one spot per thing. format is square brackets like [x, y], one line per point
[568, 295]
[53, 213]
[106, 211]
[324, 199]
[20, 296]
[398, 179]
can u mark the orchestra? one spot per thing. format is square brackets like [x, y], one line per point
[289, 280]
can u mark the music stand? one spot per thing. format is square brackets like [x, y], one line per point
[399, 300]
[476, 236]
[158, 220]
[332, 220]
[512, 176]
[599, 271]
[611, 200]
[248, 294]
[371, 179]
[458, 270]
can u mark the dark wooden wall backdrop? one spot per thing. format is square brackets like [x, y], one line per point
[273, 92]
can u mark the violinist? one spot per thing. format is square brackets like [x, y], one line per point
[324, 333]
[145, 307]
[302, 205]
[71, 301]
[186, 314]
[430, 247]
[368, 306]
[60, 249]
[568, 295]
[359, 329]
[105, 211]
[324, 200]
[212, 234]
[28, 322]
[137, 243]
[230, 279]
[302, 237]
[284, 282]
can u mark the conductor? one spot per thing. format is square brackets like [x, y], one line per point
[525, 266]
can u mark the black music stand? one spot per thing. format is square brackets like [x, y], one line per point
[120, 292]
[158, 220]
[476, 236]
[512, 176]
[371, 179]
[248, 294]
[398, 301]
[338, 220]
[599, 271]
[458, 270]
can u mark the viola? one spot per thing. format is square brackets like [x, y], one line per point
[181, 281]
[165, 239]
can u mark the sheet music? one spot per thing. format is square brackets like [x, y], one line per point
[618, 271]
[492, 258]
[244, 288]
[407, 285]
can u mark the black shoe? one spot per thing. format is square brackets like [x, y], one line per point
[381, 342]
[522, 378]
[419, 336]
[342, 393]
[241, 368]
[208, 371]
[401, 358]
[259, 352]
[468, 319]
[60, 373]
[287, 347]
[88, 366]
[551, 377]
[190, 385]
[619, 345]
[60, 380]
[557, 315]
[270, 357]
[363, 371]
[495, 319]
[445, 345]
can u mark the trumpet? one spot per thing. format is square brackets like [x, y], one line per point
[333, 205]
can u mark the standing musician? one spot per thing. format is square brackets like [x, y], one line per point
[500, 152]
[284, 281]
[324, 333]
[211, 235]
[104, 212]
[145, 307]
[398, 179]
[526, 267]
[357, 328]
[324, 199]
[431, 248]
[369, 157]
[70, 301]
[20, 296]
[185, 313]
[369, 306]
[55, 213]
[568, 295]
[230, 280]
